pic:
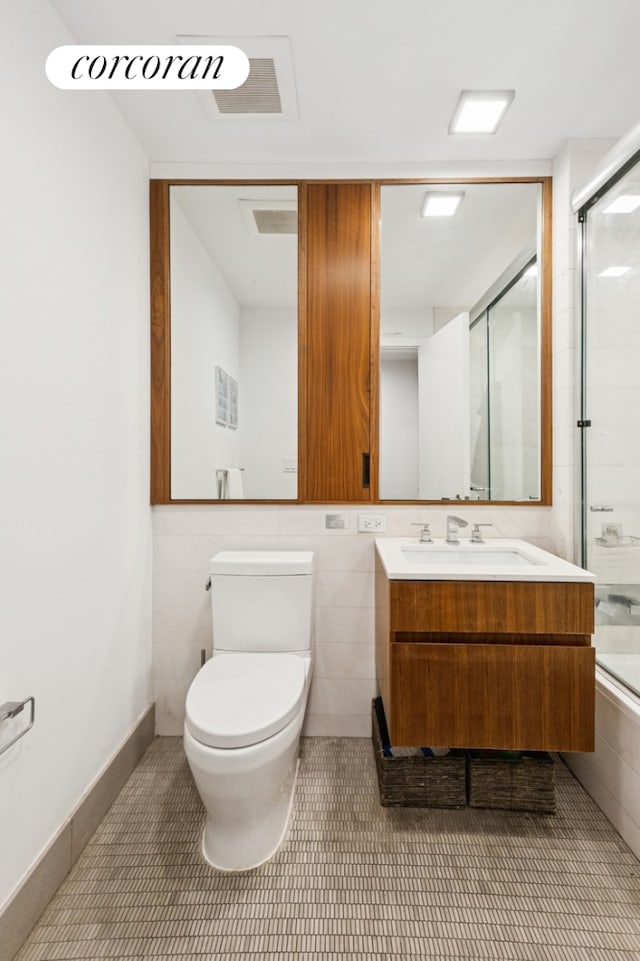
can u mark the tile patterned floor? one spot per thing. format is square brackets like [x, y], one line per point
[352, 881]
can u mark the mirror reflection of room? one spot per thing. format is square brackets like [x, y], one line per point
[234, 361]
[460, 342]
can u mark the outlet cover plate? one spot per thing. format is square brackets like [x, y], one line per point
[372, 523]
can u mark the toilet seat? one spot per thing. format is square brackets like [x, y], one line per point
[237, 700]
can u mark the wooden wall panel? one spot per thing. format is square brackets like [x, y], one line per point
[338, 341]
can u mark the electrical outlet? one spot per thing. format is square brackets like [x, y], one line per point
[372, 523]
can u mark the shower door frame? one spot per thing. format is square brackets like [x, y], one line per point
[586, 202]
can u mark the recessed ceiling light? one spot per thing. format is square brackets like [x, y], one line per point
[440, 203]
[614, 272]
[624, 204]
[480, 111]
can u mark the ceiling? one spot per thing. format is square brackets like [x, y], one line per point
[376, 82]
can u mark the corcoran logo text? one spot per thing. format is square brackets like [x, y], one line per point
[128, 67]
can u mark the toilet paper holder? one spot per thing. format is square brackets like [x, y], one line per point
[11, 709]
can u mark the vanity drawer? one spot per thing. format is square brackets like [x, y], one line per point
[509, 697]
[491, 607]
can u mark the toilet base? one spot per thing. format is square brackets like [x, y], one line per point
[247, 794]
[273, 833]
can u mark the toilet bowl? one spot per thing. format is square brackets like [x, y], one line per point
[245, 707]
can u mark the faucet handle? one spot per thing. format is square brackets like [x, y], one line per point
[476, 533]
[425, 533]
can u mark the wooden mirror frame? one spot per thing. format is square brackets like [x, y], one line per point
[160, 481]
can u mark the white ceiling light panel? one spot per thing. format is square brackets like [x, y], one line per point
[480, 111]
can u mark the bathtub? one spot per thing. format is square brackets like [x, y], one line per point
[611, 774]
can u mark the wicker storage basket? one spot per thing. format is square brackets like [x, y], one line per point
[418, 781]
[522, 781]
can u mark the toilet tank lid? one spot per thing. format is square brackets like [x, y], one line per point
[262, 562]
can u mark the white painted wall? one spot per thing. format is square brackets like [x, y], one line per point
[444, 430]
[76, 533]
[478, 409]
[268, 403]
[515, 403]
[399, 440]
[205, 333]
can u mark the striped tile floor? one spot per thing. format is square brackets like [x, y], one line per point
[352, 881]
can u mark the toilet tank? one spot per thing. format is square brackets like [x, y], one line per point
[262, 601]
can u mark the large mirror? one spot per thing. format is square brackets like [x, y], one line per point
[463, 325]
[460, 399]
[234, 343]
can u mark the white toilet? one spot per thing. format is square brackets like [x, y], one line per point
[246, 705]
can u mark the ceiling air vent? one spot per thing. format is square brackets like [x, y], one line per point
[276, 221]
[271, 216]
[269, 92]
[258, 94]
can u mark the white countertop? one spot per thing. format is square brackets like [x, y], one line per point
[496, 559]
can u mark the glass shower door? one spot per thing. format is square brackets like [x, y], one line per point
[504, 416]
[611, 409]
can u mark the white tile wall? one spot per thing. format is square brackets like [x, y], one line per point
[611, 774]
[185, 537]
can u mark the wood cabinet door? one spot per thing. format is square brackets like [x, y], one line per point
[337, 373]
[510, 697]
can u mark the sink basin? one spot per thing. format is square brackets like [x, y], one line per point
[472, 555]
[499, 559]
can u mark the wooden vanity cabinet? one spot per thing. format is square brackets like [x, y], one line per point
[486, 664]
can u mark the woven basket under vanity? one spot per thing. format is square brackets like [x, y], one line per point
[522, 781]
[416, 780]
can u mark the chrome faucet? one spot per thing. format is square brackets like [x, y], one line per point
[453, 523]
